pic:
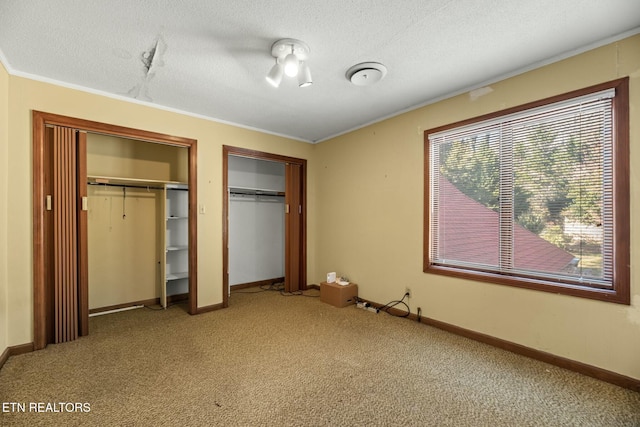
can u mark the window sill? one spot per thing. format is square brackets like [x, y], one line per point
[608, 295]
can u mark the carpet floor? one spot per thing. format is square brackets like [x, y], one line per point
[274, 360]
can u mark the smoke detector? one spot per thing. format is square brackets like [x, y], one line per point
[366, 73]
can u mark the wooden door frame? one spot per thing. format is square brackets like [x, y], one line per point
[40, 121]
[245, 152]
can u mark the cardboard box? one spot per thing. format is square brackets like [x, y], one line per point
[338, 295]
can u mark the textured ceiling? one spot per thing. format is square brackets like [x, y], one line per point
[211, 57]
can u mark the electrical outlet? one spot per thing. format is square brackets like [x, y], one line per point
[407, 292]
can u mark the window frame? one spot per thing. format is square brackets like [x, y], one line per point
[620, 291]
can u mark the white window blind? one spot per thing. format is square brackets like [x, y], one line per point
[528, 194]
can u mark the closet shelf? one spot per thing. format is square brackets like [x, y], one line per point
[255, 191]
[177, 248]
[177, 276]
[97, 179]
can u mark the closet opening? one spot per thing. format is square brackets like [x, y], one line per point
[264, 214]
[114, 222]
[137, 223]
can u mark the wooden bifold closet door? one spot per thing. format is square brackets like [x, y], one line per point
[65, 234]
[293, 278]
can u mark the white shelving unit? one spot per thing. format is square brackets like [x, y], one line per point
[175, 268]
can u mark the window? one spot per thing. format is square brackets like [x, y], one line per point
[536, 196]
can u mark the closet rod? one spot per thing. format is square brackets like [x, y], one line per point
[108, 184]
[245, 193]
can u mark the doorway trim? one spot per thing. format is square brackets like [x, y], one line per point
[40, 121]
[254, 154]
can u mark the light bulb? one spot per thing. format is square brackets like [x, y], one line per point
[291, 65]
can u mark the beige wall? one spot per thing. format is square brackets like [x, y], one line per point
[375, 177]
[28, 95]
[126, 158]
[4, 183]
[124, 252]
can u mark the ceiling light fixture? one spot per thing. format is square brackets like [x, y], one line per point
[291, 56]
[275, 75]
[304, 75]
